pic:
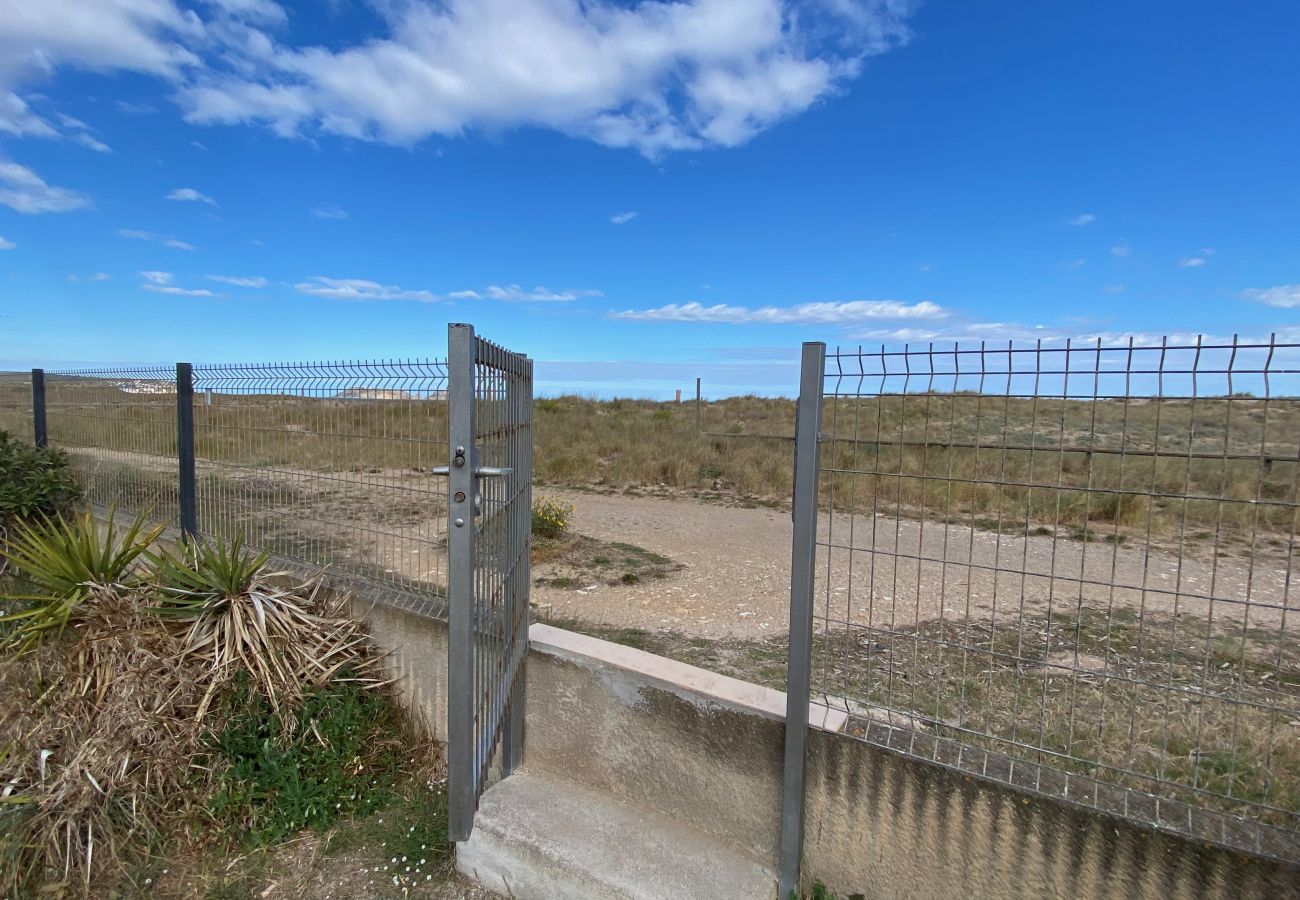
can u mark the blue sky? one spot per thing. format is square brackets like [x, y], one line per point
[639, 193]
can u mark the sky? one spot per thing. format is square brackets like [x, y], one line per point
[637, 194]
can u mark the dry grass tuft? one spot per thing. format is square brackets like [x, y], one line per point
[97, 733]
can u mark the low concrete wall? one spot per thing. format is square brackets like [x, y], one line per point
[707, 750]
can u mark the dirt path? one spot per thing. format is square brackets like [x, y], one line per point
[736, 579]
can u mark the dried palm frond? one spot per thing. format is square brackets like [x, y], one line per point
[240, 618]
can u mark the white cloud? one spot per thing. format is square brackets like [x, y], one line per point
[1082, 219]
[1121, 248]
[89, 141]
[514, 293]
[6, 245]
[924, 267]
[174, 291]
[1114, 288]
[804, 313]
[190, 195]
[1283, 296]
[622, 217]
[1192, 262]
[328, 211]
[1076, 263]
[255, 281]
[98, 276]
[24, 191]
[157, 277]
[359, 289]
[17, 118]
[656, 76]
[166, 240]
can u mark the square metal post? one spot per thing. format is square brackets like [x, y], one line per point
[807, 462]
[461, 778]
[185, 451]
[697, 406]
[39, 433]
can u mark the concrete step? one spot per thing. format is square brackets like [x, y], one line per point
[539, 838]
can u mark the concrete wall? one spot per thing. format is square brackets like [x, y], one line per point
[707, 750]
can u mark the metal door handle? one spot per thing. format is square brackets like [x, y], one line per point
[480, 472]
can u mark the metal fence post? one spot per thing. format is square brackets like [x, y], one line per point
[185, 450]
[697, 406]
[808, 422]
[460, 582]
[39, 432]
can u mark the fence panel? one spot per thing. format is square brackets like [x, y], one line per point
[118, 427]
[328, 463]
[16, 404]
[1071, 569]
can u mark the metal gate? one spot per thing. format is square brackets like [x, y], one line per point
[490, 399]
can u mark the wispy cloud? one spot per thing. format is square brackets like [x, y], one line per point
[1082, 219]
[166, 240]
[1200, 258]
[190, 195]
[97, 276]
[254, 281]
[161, 283]
[1283, 296]
[803, 313]
[6, 244]
[90, 142]
[174, 291]
[22, 190]
[622, 217]
[328, 211]
[1120, 248]
[359, 289]
[513, 293]
[1114, 288]
[1075, 263]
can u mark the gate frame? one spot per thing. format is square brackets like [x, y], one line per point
[466, 763]
[803, 555]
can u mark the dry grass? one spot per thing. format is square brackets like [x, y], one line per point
[103, 728]
[98, 732]
[1080, 461]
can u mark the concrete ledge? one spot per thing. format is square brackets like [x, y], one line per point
[686, 681]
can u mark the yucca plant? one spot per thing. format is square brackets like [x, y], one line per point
[65, 562]
[240, 619]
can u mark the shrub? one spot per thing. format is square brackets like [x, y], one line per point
[551, 518]
[34, 482]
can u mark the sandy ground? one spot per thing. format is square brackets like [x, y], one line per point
[736, 581]
[872, 570]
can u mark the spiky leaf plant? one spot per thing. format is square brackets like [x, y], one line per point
[64, 563]
[240, 618]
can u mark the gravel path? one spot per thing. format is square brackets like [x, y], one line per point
[736, 579]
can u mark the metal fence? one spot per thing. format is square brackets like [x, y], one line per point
[320, 463]
[1069, 569]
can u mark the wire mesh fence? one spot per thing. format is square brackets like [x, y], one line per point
[118, 427]
[328, 463]
[1070, 569]
[16, 404]
[320, 463]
